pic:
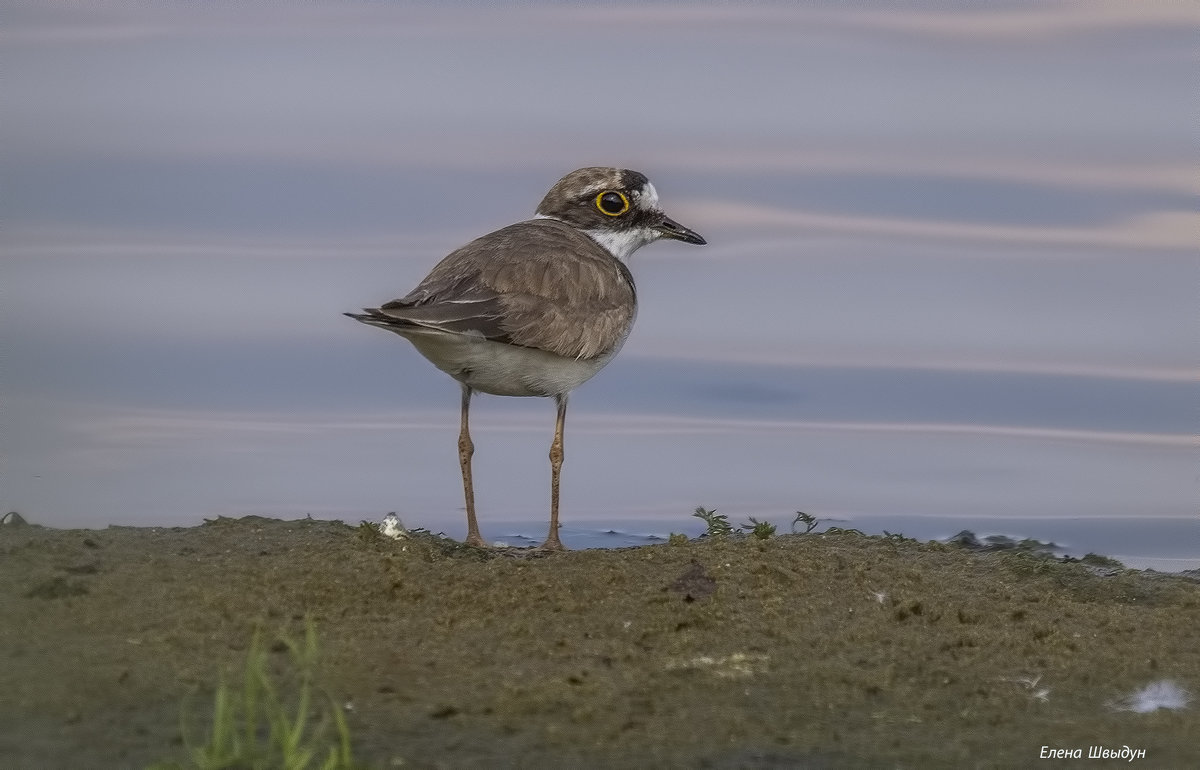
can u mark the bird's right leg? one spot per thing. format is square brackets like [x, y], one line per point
[465, 449]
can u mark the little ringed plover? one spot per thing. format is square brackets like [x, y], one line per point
[538, 307]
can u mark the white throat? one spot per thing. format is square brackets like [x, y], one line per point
[622, 243]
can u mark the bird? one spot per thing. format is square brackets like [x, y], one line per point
[538, 307]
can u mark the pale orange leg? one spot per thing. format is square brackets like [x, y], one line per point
[556, 457]
[465, 449]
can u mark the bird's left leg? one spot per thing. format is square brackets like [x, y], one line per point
[556, 457]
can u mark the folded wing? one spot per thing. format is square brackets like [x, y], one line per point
[539, 284]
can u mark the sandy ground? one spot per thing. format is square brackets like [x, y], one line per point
[833, 650]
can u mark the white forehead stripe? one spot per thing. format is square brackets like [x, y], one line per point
[648, 198]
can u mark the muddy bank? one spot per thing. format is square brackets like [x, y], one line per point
[814, 651]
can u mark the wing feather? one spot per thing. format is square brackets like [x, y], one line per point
[540, 284]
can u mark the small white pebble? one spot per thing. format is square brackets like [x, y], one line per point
[1163, 694]
[391, 527]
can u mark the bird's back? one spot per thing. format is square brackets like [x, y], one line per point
[538, 284]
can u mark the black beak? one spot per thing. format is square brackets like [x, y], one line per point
[672, 229]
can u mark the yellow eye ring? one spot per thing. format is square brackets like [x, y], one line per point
[612, 203]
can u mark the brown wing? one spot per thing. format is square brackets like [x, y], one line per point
[539, 284]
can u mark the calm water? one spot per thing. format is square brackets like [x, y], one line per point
[164, 425]
[951, 280]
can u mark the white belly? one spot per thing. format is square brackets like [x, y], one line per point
[505, 370]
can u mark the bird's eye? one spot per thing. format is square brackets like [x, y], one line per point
[612, 203]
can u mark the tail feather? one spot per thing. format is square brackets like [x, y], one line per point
[375, 317]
